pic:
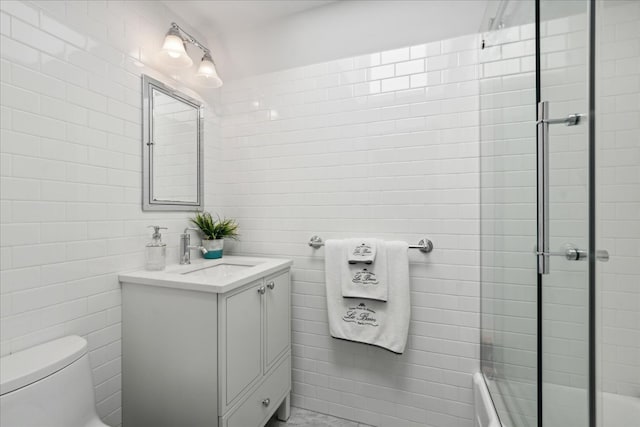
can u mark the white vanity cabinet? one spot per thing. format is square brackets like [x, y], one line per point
[256, 323]
[201, 358]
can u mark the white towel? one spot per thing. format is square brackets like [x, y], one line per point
[383, 324]
[366, 281]
[362, 250]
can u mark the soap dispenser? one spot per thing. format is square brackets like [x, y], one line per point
[156, 251]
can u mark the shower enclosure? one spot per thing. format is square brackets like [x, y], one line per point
[560, 195]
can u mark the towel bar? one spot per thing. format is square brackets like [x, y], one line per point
[424, 245]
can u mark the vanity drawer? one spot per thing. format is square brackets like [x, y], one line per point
[253, 411]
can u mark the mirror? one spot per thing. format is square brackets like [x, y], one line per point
[172, 149]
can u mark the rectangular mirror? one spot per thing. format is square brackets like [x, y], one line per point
[172, 151]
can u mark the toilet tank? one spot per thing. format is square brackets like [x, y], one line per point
[48, 385]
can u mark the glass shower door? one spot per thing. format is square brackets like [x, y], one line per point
[509, 280]
[563, 209]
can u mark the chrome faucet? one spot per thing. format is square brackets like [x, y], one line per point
[185, 246]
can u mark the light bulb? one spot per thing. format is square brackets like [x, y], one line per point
[174, 53]
[207, 75]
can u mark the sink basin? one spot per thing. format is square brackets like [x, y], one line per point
[218, 276]
[219, 270]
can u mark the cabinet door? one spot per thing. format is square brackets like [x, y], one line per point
[242, 343]
[277, 317]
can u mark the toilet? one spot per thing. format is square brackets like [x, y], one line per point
[48, 385]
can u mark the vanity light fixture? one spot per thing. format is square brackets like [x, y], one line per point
[207, 75]
[174, 54]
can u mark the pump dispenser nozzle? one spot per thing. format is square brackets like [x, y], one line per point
[156, 236]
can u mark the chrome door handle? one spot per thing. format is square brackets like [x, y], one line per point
[261, 290]
[571, 254]
[543, 185]
[271, 284]
[570, 120]
[575, 254]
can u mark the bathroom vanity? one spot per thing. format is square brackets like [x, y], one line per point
[207, 344]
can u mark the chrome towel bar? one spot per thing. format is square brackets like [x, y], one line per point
[424, 245]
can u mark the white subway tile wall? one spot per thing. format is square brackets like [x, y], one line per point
[618, 195]
[382, 145]
[70, 138]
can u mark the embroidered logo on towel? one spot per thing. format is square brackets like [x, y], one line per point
[360, 315]
[362, 250]
[365, 277]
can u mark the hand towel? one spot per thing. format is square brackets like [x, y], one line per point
[361, 250]
[366, 281]
[382, 324]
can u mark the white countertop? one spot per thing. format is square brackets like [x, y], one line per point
[197, 276]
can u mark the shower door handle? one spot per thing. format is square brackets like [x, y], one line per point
[571, 253]
[543, 187]
[543, 181]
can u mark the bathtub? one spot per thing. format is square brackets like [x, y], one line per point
[485, 412]
[620, 410]
[614, 410]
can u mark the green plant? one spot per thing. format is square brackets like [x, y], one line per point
[215, 229]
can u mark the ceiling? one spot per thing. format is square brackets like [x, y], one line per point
[213, 17]
[250, 37]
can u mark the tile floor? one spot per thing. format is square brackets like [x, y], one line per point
[303, 418]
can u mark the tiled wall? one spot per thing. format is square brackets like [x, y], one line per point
[618, 195]
[71, 173]
[382, 145]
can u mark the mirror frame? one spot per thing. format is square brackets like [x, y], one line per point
[148, 204]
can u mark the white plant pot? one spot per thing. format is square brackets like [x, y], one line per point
[214, 248]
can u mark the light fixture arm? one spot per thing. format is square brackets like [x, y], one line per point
[188, 37]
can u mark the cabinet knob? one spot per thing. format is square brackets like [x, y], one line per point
[271, 284]
[266, 402]
[261, 290]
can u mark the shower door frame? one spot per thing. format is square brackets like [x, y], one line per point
[592, 215]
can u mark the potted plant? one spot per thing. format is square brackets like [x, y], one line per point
[214, 232]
